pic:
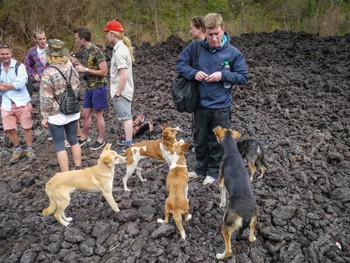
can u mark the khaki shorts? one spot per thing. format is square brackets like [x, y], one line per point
[122, 107]
[22, 115]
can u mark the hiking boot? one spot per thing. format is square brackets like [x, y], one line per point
[208, 180]
[16, 156]
[83, 142]
[97, 145]
[30, 154]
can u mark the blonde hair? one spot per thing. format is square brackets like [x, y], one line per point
[126, 41]
[52, 60]
[213, 20]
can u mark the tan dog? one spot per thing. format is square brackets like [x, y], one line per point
[177, 185]
[92, 179]
[156, 149]
[242, 210]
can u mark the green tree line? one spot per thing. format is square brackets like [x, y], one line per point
[155, 20]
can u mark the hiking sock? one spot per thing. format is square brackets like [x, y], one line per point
[128, 143]
[18, 148]
[77, 167]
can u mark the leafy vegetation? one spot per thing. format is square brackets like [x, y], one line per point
[153, 21]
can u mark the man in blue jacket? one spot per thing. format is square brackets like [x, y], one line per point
[215, 100]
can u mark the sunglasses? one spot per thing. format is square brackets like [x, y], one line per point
[4, 46]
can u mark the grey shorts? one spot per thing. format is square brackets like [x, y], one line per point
[122, 107]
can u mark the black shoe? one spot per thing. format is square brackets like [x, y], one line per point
[97, 145]
[83, 142]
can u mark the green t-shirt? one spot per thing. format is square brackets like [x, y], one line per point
[92, 57]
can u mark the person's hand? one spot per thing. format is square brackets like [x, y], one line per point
[74, 61]
[80, 68]
[215, 77]
[45, 123]
[37, 78]
[201, 76]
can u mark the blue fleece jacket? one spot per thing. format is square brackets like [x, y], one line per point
[213, 95]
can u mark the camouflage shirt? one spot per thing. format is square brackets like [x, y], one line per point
[91, 58]
[52, 85]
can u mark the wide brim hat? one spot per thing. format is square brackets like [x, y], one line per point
[55, 48]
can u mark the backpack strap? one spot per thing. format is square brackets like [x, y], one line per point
[70, 76]
[18, 63]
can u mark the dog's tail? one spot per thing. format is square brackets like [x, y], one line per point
[53, 206]
[178, 221]
[51, 209]
[261, 156]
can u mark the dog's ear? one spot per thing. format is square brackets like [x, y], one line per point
[164, 126]
[219, 132]
[107, 147]
[235, 134]
[177, 129]
[107, 160]
[185, 146]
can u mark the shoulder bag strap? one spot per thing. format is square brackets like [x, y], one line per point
[196, 56]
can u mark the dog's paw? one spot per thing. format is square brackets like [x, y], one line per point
[143, 180]
[222, 204]
[252, 239]
[189, 216]
[159, 220]
[64, 223]
[69, 219]
[127, 190]
[220, 256]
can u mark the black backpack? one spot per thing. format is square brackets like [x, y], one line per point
[185, 92]
[29, 83]
[69, 103]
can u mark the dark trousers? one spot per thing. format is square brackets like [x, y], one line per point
[208, 150]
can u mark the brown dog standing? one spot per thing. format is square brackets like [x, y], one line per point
[156, 149]
[177, 185]
[92, 179]
[242, 210]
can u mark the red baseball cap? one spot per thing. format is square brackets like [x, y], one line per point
[113, 26]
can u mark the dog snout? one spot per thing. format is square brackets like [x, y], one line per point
[122, 159]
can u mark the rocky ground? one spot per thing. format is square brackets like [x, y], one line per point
[296, 103]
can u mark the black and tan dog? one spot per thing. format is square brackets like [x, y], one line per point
[177, 185]
[242, 210]
[252, 152]
[92, 179]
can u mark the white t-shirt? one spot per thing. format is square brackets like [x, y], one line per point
[121, 59]
[61, 119]
[41, 54]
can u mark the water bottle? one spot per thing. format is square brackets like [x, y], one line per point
[227, 67]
